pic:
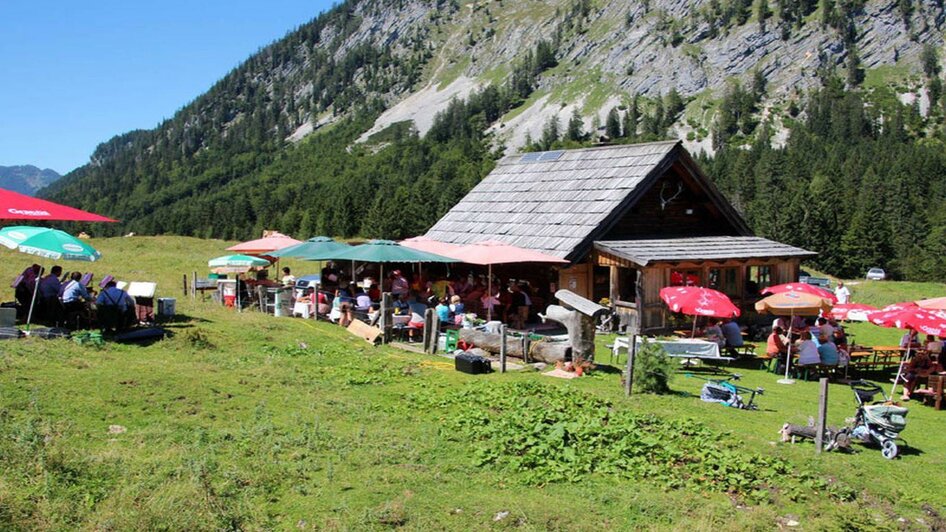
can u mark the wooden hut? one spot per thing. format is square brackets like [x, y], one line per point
[631, 219]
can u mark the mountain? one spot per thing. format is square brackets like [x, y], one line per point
[26, 179]
[376, 116]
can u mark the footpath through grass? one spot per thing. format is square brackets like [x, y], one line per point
[252, 422]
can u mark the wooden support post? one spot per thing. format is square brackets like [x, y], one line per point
[194, 286]
[387, 317]
[260, 296]
[434, 332]
[614, 288]
[822, 415]
[185, 285]
[502, 348]
[631, 353]
[526, 344]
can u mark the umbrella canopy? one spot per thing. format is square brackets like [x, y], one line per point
[698, 301]
[852, 311]
[48, 243]
[430, 245]
[911, 317]
[263, 245]
[804, 288]
[793, 304]
[18, 206]
[316, 248]
[387, 251]
[936, 303]
[236, 263]
[492, 252]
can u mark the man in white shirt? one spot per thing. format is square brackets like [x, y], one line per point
[842, 293]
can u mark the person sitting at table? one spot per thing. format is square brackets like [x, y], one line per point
[362, 301]
[920, 366]
[807, 350]
[932, 345]
[116, 309]
[374, 292]
[402, 306]
[813, 327]
[714, 333]
[827, 351]
[50, 287]
[25, 287]
[75, 297]
[775, 346]
[443, 311]
[825, 328]
[840, 339]
[456, 308]
[909, 339]
[288, 279]
[305, 303]
[733, 335]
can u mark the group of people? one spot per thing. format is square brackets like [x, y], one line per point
[68, 299]
[927, 360]
[453, 297]
[817, 341]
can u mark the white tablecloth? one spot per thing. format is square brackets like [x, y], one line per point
[680, 348]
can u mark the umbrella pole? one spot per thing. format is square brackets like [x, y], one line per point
[693, 334]
[788, 350]
[489, 294]
[905, 358]
[29, 315]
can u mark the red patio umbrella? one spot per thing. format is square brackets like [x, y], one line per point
[804, 288]
[264, 245]
[16, 206]
[491, 252]
[699, 301]
[852, 311]
[430, 245]
[913, 318]
[936, 303]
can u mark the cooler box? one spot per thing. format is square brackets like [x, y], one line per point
[166, 306]
[472, 364]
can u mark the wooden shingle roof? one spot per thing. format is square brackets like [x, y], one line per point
[644, 252]
[554, 202]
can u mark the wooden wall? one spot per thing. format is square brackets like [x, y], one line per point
[647, 218]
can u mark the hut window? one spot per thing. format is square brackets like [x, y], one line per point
[627, 284]
[759, 277]
[726, 280]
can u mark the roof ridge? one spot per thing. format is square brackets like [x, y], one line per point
[671, 143]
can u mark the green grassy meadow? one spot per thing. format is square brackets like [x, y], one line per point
[245, 421]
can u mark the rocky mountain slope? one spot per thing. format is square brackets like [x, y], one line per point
[401, 62]
[26, 179]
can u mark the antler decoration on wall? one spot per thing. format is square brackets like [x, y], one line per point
[666, 201]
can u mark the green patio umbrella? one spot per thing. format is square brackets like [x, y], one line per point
[382, 251]
[315, 248]
[236, 264]
[47, 243]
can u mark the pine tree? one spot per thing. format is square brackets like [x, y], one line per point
[576, 125]
[630, 119]
[612, 125]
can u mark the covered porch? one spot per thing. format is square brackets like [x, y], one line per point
[630, 273]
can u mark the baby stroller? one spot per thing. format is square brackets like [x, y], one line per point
[876, 421]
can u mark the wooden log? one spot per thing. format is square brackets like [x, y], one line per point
[548, 352]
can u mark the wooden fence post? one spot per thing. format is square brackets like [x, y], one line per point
[526, 345]
[185, 285]
[822, 415]
[387, 317]
[631, 353]
[430, 331]
[502, 348]
[194, 286]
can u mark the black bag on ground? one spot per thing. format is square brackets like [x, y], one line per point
[51, 332]
[472, 364]
[141, 336]
[8, 333]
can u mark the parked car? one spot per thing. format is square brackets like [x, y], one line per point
[820, 282]
[876, 274]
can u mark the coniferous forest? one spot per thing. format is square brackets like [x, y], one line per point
[860, 178]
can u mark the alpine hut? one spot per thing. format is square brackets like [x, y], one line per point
[631, 219]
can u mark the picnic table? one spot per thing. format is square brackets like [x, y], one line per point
[687, 349]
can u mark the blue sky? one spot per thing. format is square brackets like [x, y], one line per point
[74, 74]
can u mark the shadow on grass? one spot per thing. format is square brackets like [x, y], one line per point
[182, 319]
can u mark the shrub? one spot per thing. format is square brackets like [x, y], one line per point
[652, 368]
